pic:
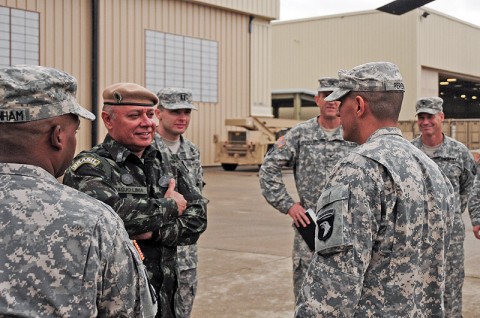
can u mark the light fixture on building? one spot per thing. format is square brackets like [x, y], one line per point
[463, 96]
[451, 80]
[443, 83]
[442, 93]
[474, 97]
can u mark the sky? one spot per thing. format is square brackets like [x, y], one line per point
[467, 10]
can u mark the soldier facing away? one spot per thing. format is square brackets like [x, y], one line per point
[456, 161]
[312, 148]
[158, 205]
[385, 214]
[64, 254]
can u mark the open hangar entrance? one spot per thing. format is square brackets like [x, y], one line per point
[461, 96]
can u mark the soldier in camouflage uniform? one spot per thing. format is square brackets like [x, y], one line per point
[312, 148]
[456, 161]
[474, 206]
[384, 217]
[174, 109]
[157, 202]
[64, 254]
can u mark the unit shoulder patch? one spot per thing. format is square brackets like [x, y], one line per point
[281, 142]
[325, 224]
[84, 160]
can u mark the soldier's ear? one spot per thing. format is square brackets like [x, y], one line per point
[56, 138]
[107, 120]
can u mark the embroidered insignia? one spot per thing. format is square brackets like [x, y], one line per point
[118, 97]
[126, 178]
[325, 225]
[164, 181]
[91, 161]
[281, 142]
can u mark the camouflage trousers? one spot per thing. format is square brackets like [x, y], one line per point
[455, 272]
[301, 257]
[187, 260]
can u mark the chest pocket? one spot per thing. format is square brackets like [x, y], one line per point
[331, 235]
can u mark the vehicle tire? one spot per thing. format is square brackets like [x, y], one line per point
[229, 166]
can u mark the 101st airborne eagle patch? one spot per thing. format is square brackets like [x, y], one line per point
[90, 160]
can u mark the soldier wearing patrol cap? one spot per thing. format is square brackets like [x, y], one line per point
[384, 218]
[63, 252]
[158, 208]
[173, 113]
[312, 148]
[456, 161]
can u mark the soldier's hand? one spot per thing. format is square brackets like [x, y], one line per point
[297, 213]
[143, 236]
[476, 231]
[179, 199]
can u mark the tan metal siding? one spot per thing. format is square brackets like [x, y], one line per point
[305, 50]
[261, 69]
[122, 57]
[269, 9]
[65, 39]
[449, 45]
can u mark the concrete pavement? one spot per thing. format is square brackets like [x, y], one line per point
[245, 267]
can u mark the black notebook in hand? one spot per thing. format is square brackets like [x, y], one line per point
[308, 233]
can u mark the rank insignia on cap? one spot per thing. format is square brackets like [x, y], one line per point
[281, 142]
[183, 97]
[325, 225]
[117, 96]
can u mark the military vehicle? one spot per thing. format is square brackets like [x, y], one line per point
[249, 146]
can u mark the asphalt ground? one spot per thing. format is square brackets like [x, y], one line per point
[245, 266]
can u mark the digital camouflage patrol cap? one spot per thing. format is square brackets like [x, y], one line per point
[128, 94]
[327, 84]
[429, 105]
[369, 77]
[30, 92]
[176, 98]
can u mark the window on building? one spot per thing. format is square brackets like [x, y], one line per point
[19, 37]
[182, 61]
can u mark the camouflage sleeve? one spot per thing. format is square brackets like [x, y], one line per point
[186, 229]
[138, 214]
[348, 212]
[198, 170]
[124, 290]
[474, 202]
[282, 154]
[466, 178]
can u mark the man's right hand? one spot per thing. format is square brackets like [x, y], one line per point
[179, 199]
[297, 213]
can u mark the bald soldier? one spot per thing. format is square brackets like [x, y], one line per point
[312, 148]
[64, 254]
[456, 161]
[160, 209]
[384, 217]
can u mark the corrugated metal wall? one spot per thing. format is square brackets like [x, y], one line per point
[261, 69]
[449, 44]
[266, 8]
[65, 39]
[122, 56]
[66, 44]
[304, 50]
